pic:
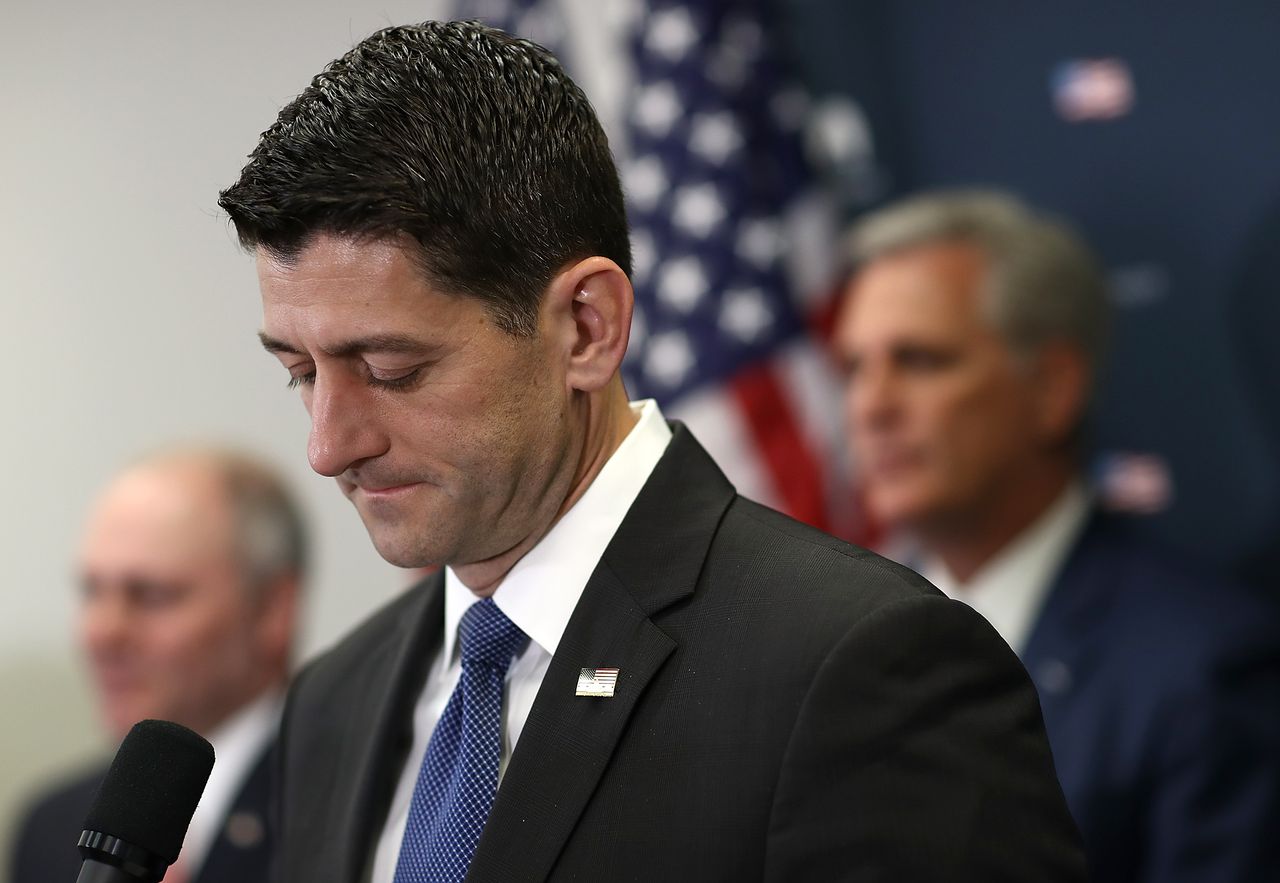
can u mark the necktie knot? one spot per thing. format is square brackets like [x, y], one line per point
[487, 638]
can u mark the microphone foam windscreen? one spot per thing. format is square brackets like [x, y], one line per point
[151, 790]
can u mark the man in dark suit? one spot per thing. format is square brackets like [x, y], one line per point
[667, 681]
[970, 335]
[190, 570]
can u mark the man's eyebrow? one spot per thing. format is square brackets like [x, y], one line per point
[271, 345]
[376, 343]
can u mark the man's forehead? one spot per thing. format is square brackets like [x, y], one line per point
[167, 505]
[941, 266]
[343, 298]
[325, 255]
[927, 287]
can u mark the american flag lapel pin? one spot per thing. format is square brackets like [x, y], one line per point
[598, 682]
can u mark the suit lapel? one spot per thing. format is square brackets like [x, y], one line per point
[568, 740]
[383, 737]
[1059, 653]
[653, 561]
[243, 845]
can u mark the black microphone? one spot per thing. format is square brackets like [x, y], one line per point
[135, 828]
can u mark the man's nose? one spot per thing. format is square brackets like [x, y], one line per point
[344, 431]
[104, 621]
[872, 396]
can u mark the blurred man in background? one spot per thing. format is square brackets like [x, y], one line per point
[971, 336]
[190, 570]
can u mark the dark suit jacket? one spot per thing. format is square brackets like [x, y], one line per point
[788, 708]
[45, 848]
[1161, 694]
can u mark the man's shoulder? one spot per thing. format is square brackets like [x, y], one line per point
[370, 648]
[749, 560]
[44, 845]
[1160, 602]
[68, 796]
[792, 555]
[797, 592]
[1145, 571]
[396, 615]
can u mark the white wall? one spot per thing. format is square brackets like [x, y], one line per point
[128, 313]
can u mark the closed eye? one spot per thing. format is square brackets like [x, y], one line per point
[848, 366]
[399, 382]
[925, 359]
[403, 380]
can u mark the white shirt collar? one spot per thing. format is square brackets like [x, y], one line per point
[238, 744]
[1010, 589]
[541, 590]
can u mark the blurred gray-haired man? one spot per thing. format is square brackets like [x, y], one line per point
[190, 569]
[971, 335]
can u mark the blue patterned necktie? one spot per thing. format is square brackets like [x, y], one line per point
[459, 775]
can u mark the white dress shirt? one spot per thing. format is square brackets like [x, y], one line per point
[538, 594]
[1011, 588]
[237, 747]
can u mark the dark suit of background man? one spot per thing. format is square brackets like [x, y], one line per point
[190, 570]
[443, 255]
[971, 335]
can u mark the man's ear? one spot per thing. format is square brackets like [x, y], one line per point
[591, 303]
[1063, 382]
[277, 620]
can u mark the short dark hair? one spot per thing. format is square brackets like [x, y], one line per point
[473, 143]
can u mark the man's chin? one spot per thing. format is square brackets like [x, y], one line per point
[120, 720]
[399, 553]
[898, 506]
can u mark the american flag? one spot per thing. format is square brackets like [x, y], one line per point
[734, 248]
[597, 682]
